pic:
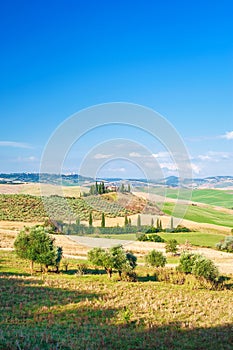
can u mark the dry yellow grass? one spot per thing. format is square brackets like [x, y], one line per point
[44, 189]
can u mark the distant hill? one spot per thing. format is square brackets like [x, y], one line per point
[54, 179]
[76, 179]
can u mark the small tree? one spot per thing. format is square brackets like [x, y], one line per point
[155, 258]
[204, 267]
[132, 259]
[92, 190]
[113, 258]
[36, 245]
[226, 244]
[90, 219]
[171, 246]
[198, 265]
[58, 258]
[126, 221]
[139, 221]
[160, 225]
[103, 220]
[101, 257]
[119, 259]
[152, 222]
[172, 224]
[96, 188]
[187, 261]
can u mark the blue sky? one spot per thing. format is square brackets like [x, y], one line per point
[58, 57]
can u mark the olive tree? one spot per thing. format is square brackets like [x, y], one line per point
[114, 258]
[36, 245]
[155, 258]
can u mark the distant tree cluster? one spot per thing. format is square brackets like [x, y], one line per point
[98, 188]
[125, 188]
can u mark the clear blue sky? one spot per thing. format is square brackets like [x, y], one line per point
[58, 57]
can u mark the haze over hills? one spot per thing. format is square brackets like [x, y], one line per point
[76, 179]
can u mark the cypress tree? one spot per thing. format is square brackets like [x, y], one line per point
[126, 221]
[90, 219]
[172, 224]
[103, 220]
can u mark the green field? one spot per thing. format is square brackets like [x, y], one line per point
[73, 312]
[200, 214]
[208, 196]
[195, 238]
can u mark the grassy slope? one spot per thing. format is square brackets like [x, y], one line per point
[200, 214]
[208, 196]
[91, 312]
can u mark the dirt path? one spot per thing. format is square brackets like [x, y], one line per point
[99, 242]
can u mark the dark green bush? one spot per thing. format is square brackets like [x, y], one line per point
[181, 228]
[186, 262]
[171, 246]
[204, 267]
[198, 265]
[129, 276]
[155, 258]
[150, 238]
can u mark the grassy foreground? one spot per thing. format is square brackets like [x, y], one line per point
[67, 311]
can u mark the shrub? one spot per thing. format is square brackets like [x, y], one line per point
[129, 276]
[186, 262]
[170, 275]
[198, 265]
[171, 246]
[81, 269]
[204, 267]
[155, 258]
[181, 228]
[153, 229]
[155, 238]
[142, 237]
[226, 244]
[150, 238]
